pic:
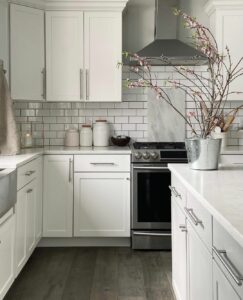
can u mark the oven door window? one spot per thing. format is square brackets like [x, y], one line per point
[153, 196]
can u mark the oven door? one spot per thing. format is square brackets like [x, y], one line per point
[151, 197]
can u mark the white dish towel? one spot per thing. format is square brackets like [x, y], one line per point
[9, 139]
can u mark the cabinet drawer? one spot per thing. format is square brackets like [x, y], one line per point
[178, 191]
[228, 254]
[200, 219]
[102, 163]
[27, 173]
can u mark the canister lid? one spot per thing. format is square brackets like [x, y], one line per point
[86, 126]
[99, 121]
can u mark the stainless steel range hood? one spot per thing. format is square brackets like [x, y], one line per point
[150, 30]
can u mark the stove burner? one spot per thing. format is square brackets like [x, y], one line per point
[159, 145]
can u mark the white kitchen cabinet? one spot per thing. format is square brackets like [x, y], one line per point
[31, 196]
[102, 52]
[222, 288]
[226, 23]
[102, 205]
[39, 199]
[25, 224]
[179, 267]
[199, 265]
[58, 196]
[64, 56]
[7, 232]
[27, 53]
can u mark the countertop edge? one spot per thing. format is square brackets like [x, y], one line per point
[215, 213]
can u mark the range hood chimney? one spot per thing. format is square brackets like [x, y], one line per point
[150, 30]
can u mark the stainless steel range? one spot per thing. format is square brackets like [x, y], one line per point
[151, 197]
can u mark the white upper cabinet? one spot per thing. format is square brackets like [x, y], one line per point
[64, 56]
[103, 51]
[226, 22]
[27, 53]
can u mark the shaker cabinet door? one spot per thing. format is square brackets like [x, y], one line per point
[27, 59]
[7, 231]
[64, 56]
[179, 268]
[102, 205]
[199, 265]
[103, 51]
[58, 196]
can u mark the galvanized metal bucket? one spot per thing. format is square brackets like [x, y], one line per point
[203, 154]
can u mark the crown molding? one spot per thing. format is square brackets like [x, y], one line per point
[113, 5]
[214, 5]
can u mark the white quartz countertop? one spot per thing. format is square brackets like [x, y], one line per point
[232, 150]
[29, 154]
[220, 192]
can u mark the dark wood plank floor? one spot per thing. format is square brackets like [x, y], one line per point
[94, 274]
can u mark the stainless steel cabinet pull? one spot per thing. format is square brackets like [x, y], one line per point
[150, 168]
[192, 216]
[43, 83]
[183, 228]
[70, 170]
[174, 191]
[29, 191]
[81, 84]
[29, 173]
[102, 164]
[235, 274]
[87, 85]
[152, 233]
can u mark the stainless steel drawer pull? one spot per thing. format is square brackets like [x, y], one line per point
[102, 164]
[29, 191]
[183, 228]
[150, 168]
[235, 274]
[29, 173]
[152, 233]
[174, 191]
[192, 216]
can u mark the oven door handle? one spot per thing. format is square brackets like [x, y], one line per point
[150, 168]
[151, 233]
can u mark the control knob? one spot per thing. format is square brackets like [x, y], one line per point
[137, 155]
[146, 155]
[154, 155]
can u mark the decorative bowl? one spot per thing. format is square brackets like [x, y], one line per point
[120, 140]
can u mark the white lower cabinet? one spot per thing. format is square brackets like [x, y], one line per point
[179, 266]
[25, 224]
[102, 205]
[7, 232]
[58, 196]
[222, 288]
[199, 264]
[39, 199]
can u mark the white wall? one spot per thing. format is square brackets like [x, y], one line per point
[4, 41]
[194, 8]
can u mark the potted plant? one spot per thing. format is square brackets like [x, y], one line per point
[208, 93]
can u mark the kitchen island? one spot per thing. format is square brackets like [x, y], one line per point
[207, 227]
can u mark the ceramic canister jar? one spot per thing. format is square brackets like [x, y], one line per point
[101, 133]
[86, 136]
[72, 138]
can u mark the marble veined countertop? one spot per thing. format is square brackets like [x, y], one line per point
[220, 192]
[29, 154]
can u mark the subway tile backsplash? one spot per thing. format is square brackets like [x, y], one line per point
[48, 121]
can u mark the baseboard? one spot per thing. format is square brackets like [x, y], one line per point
[84, 242]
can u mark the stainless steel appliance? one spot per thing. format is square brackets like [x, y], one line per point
[151, 197]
